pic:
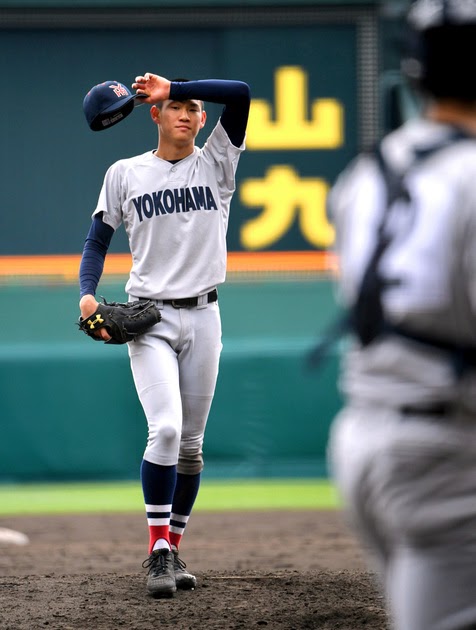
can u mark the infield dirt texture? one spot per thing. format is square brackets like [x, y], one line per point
[275, 570]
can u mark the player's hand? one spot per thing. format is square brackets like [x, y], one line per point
[157, 88]
[88, 305]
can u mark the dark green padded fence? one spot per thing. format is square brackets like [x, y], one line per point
[69, 410]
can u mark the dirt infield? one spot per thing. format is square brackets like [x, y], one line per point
[278, 570]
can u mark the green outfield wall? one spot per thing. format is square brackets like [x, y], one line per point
[69, 410]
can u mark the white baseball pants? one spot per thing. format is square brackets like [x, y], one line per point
[175, 369]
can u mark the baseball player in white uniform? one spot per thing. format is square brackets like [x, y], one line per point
[403, 448]
[174, 203]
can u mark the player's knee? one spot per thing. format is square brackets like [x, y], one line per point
[166, 436]
[190, 464]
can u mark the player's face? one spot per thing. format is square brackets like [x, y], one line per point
[180, 121]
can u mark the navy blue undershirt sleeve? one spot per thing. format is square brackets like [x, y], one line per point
[94, 254]
[235, 95]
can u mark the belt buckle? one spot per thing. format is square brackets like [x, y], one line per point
[176, 304]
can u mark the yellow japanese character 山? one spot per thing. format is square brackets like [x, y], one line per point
[292, 129]
[283, 195]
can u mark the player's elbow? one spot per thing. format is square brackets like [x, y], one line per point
[243, 91]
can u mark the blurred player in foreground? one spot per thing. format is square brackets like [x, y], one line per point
[174, 202]
[403, 449]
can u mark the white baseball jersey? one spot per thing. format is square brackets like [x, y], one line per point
[175, 216]
[432, 255]
[406, 471]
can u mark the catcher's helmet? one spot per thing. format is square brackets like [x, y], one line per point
[442, 48]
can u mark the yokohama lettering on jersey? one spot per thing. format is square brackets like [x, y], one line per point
[177, 200]
[175, 217]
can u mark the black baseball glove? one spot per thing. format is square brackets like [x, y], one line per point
[124, 320]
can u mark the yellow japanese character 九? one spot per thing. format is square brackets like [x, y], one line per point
[284, 196]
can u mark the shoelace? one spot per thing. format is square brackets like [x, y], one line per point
[155, 562]
[178, 561]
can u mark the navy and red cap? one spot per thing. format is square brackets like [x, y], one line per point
[106, 104]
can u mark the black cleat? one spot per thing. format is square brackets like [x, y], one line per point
[161, 578]
[183, 579]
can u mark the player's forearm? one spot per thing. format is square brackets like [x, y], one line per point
[90, 271]
[235, 95]
[94, 255]
[211, 90]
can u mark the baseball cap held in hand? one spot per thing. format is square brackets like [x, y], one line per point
[108, 103]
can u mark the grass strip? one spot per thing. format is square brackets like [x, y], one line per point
[230, 494]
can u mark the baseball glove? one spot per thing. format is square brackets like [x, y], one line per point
[124, 321]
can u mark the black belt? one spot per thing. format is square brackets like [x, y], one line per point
[193, 301]
[437, 409]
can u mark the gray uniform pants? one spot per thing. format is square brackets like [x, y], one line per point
[175, 369]
[409, 488]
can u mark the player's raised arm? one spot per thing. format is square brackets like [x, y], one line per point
[235, 95]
